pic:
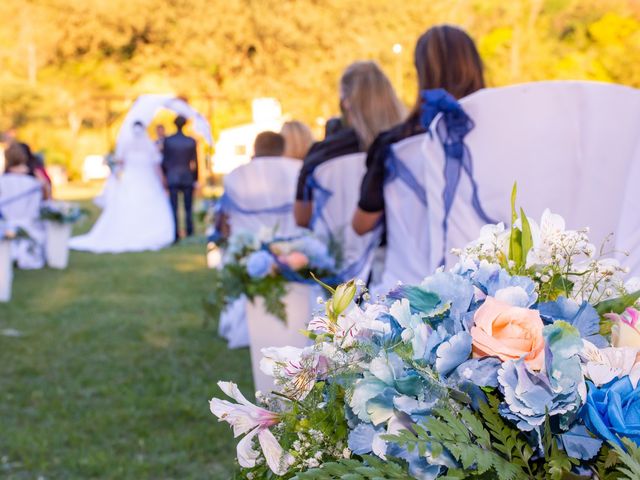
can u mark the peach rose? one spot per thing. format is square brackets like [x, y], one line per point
[508, 333]
[296, 260]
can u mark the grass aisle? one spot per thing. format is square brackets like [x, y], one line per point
[112, 376]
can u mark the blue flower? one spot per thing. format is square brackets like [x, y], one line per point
[453, 289]
[584, 317]
[578, 443]
[613, 411]
[496, 282]
[559, 391]
[259, 264]
[318, 253]
[529, 396]
[453, 352]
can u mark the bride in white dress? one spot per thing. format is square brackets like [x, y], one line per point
[137, 214]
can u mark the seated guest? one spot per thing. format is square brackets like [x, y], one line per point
[37, 170]
[259, 194]
[369, 106]
[20, 199]
[445, 57]
[332, 126]
[268, 144]
[297, 139]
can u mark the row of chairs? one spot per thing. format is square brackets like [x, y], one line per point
[571, 146]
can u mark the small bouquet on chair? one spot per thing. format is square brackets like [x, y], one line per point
[262, 265]
[522, 362]
[58, 218]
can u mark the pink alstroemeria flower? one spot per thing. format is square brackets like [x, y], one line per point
[245, 417]
[625, 331]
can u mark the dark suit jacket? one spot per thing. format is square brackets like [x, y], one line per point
[180, 160]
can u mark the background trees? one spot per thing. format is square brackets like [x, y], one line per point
[69, 68]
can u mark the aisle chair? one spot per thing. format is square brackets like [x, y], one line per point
[20, 201]
[335, 186]
[406, 213]
[571, 146]
[257, 196]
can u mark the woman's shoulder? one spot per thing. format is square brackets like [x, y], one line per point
[380, 146]
[342, 142]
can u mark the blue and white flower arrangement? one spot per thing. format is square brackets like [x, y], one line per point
[522, 362]
[261, 265]
[61, 212]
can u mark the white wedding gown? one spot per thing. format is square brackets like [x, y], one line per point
[137, 214]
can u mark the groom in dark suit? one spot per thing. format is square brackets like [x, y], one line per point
[180, 167]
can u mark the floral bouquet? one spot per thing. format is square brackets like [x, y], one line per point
[61, 212]
[261, 265]
[522, 362]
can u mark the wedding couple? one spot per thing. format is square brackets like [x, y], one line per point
[138, 214]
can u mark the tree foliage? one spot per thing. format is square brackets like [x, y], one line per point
[68, 67]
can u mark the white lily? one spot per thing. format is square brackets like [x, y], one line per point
[245, 417]
[602, 365]
[294, 369]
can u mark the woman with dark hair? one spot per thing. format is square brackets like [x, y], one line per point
[37, 170]
[445, 57]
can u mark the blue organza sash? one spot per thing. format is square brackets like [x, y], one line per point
[451, 131]
[397, 169]
[9, 200]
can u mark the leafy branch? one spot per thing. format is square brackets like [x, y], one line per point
[369, 467]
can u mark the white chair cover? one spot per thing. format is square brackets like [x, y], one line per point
[257, 195]
[573, 147]
[20, 199]
[260, 195]
[335, 186]
[408, 240]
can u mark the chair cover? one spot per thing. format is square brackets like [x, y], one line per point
[260, 195]
[573, 147]
[257, 195]
[20, 199]
[408, 240]
[335, 186]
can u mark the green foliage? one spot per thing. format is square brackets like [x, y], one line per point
[520, 240]
[486, 446]
[367, 468]
[232, 281]
[628, 459]
[70, 68]
[617, 305]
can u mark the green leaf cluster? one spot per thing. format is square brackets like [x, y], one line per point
[232, 281]
[485, 445]
[366, 468]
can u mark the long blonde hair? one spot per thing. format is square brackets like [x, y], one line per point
[297, 139]
[369, 103]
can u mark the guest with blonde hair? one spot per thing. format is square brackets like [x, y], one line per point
[297, 139]
[369, 106]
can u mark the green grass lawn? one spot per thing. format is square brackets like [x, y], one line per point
[112, 375]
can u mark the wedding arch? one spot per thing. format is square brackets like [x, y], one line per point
[147, 106]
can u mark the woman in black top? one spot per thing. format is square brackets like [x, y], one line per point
[369, 106]
[445, 57]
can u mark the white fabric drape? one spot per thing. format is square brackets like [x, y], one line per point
[408, 239]
[342, 177]
[573, 147]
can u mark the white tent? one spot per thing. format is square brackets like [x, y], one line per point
[146, 107]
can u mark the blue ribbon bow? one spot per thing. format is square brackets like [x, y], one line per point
[451, 130]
